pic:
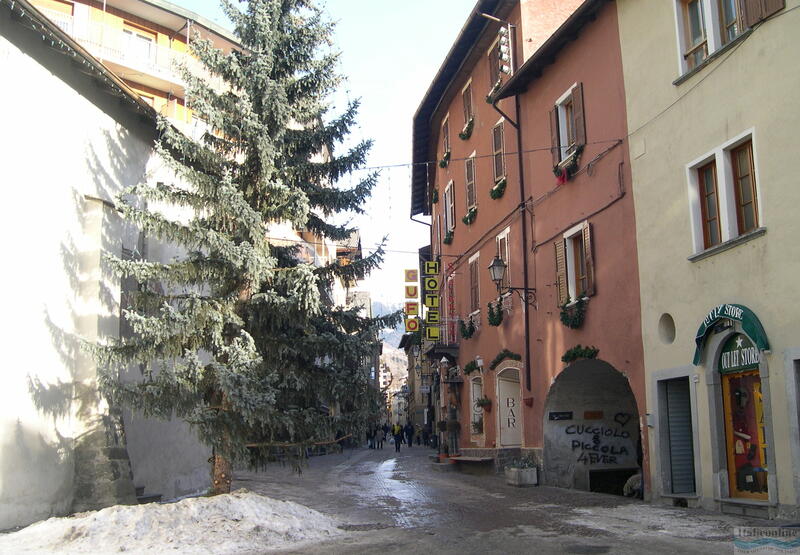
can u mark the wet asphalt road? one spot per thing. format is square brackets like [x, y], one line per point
[397, 503]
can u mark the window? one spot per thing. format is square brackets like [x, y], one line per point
[498, 155]
[449, 208]
[744, 185]
[494, 64]
[705, 26]
[723, 193]
[140, 44]
[474, 289]
[469, 176]
[446, 135]
[466, 97]
[709, 204]
[696, 44]
[503, 253]
[574, 264]
[567, 124]
[477, 410]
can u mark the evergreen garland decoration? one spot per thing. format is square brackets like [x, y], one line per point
[445, 160]
[470, 216]
[503, 355]
[466, 133]
[435, 195]
[467, 329]
[470, 367]
[448, 238]
[573, 315]
[578, 351]
[499, 189]
[483, 402]
[569, 165]
[238, 337]
[494, 313]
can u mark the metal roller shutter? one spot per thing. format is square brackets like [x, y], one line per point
[679, 424]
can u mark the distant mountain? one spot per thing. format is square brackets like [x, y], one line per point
[390, 336]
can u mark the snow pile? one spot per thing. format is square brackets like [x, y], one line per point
[233, 523]
[633, 519]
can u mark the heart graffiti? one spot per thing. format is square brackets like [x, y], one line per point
[622, 418]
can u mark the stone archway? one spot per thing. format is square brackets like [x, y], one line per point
[591, 429]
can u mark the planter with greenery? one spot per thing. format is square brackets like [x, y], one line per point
[579, 352]
[435, 196]
[445, 160]
[494, 89]
[471, 367]
[569, 165]
[467, 328]
[499, 189]
[485, 403]
[494, 313]
[472, 213]
[502, 355]
[573, 314]
[477, 426]
[522, 472]
[466, 133]
[448, 238]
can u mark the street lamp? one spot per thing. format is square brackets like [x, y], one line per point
[497, 270]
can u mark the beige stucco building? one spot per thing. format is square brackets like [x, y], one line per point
[712, 120]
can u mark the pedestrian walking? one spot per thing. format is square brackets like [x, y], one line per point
[370, 438]
[379, 437]
[409, 430]
[397, 433]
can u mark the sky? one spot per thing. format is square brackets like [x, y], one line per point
[390, 52]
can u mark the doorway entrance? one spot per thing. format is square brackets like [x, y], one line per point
[509, 411]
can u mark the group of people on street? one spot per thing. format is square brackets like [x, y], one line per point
[376, 435]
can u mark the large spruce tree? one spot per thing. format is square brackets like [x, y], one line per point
[237, 336]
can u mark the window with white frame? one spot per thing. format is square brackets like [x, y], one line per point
[705, 26]
[449, 208]
[567, 124]
[504, 254]
[723, 193]
[498, 152]
[574, 264]
[469, 180]
[477, 411]
[474, 283]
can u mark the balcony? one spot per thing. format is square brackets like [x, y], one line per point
[129, 55]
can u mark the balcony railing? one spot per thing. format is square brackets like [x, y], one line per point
[115, 45]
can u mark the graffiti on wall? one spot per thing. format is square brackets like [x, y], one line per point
[600, 444]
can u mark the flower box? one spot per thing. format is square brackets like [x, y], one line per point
[521, 477]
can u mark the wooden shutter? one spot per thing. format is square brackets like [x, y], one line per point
[754, 11]
[587, 251]
[561, 272]
[555, 147]
[580, 119]
[474, 303]
[772, 6]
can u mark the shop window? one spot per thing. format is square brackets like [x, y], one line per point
[723, 194]
[747, 452]
[705, 26]
[574, 264]
[477, 412]
[567, 124]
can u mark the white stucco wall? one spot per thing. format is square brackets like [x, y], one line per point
[748, 88]
[60, 151]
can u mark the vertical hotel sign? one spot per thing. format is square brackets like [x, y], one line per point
[412, 305]
[431, 301]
